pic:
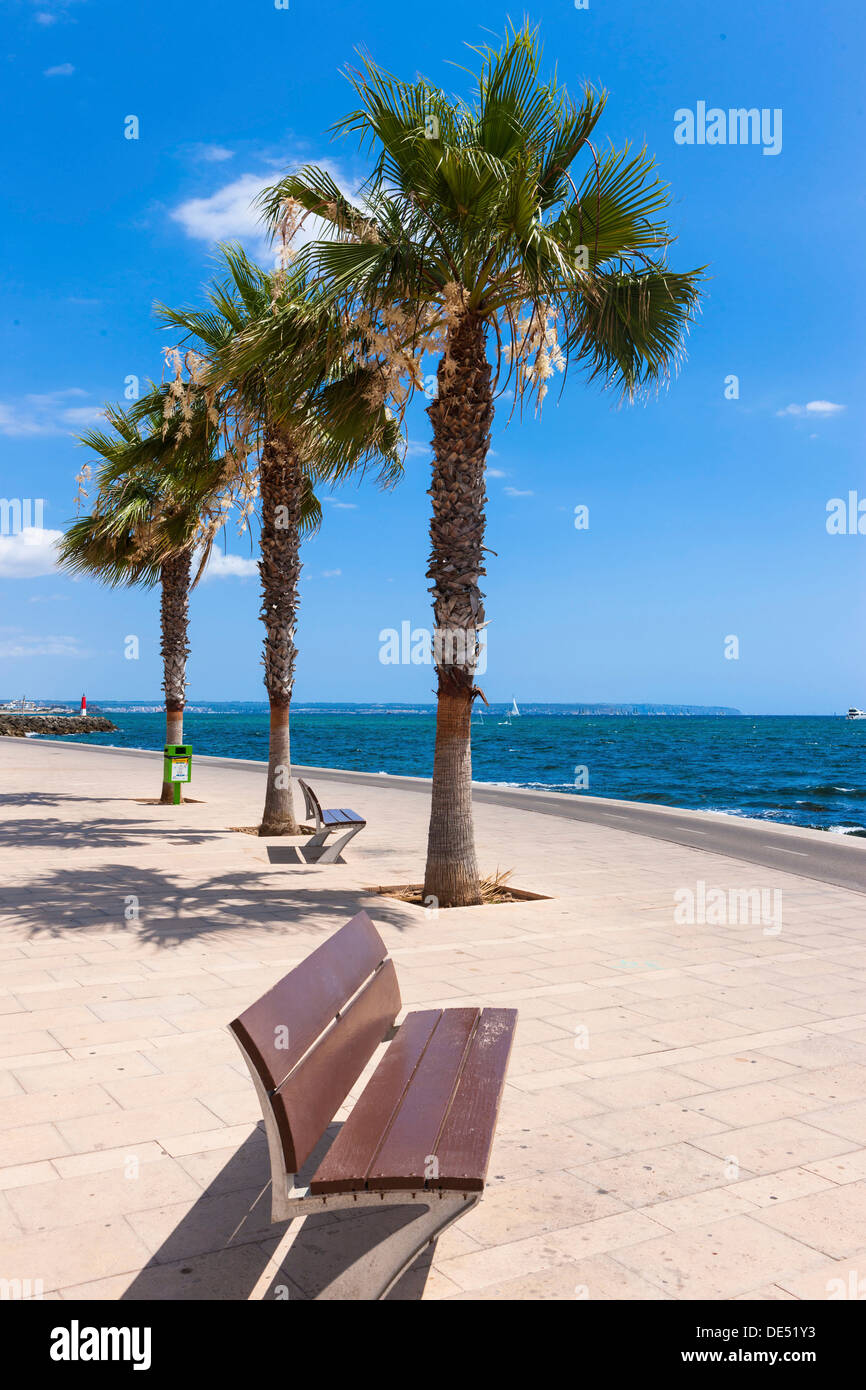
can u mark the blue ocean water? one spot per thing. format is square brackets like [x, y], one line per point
[808, 771]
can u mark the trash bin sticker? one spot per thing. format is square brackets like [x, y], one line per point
[180, 770]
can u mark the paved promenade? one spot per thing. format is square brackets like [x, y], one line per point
[685, 1115]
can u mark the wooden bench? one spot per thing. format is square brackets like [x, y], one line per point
[419, 1135]
[327, 822]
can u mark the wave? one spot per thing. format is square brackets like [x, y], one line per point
[831, 789]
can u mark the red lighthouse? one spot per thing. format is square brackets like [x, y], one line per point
[83, 710]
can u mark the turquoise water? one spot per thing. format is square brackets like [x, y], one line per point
[808, 771]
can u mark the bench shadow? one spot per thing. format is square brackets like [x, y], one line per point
[225, 1246]
[284, 854]
[299, 854]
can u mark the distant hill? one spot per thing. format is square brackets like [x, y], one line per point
[653, 709]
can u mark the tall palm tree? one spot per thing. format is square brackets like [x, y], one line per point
[279, 377]
[152, 491]
[472, 233]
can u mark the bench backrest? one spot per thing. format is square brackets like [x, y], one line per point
[311, 801]
[309, 1038]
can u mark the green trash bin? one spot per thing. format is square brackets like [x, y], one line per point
[177, 767]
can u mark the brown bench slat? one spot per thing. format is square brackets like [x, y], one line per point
[463, 1147]
[305, 1104]
[307, 999]
[345, 1166]
[412, 1137]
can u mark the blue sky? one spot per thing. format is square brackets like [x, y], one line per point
[707, 514]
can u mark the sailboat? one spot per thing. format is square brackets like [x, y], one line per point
[513, 713]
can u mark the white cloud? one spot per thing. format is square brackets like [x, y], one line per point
[25, 645]
[82, 416]
[223, 566]
[417, 451]
[812, 408]
[50, 11]
[48, 414]
[62, 70]
[29, 554]
[515, 492]
[229, 214]
[496, 473]
[50, 398]
[213, 154]
[341, 506]
[331, 574]
[14, 422]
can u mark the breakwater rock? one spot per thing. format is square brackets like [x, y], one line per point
[17, 725]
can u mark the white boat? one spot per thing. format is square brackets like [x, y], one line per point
[514, 710]
[855, 713]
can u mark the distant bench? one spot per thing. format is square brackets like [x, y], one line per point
[327, 822]
[421, 1132]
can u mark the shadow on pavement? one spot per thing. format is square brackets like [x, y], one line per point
[170, 910]
[223, 1247]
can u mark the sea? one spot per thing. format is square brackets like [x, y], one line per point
[798, 770]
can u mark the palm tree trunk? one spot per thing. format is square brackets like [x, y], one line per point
[461, 415]
[174, 623]
[280, 568]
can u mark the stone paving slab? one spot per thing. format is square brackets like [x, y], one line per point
[685, 1115]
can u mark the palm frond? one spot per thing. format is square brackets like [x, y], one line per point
[632, 326]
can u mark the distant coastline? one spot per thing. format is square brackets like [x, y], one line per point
[386, 706]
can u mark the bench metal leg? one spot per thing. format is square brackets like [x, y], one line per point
[377, 1271]
[332, 853]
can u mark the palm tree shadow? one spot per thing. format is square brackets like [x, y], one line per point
[34, 798]
[157, 908]
[224, 1245]
[43, 834]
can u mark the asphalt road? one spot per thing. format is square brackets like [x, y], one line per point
[838, 859]
[828, 858]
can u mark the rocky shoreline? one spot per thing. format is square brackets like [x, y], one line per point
[17, 725]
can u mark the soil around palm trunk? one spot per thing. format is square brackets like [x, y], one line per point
[495, 889]
[270, 834]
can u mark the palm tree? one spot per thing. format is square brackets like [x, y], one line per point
[278, 376]
[153, 490]
[473, 232]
